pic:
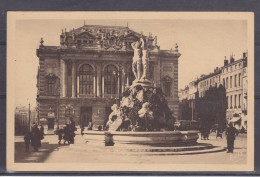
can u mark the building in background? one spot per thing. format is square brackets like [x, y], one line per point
[234, 79]
[233, 76]
[187, 102]
[207, 81]
[87, 73]
[22, 119]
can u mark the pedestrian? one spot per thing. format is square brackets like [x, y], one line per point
[71, 134]
[27, 141]
[42, 129]
[73, 125]
[218, 134]
[82, 130]
[66, 136]
[231, 133]
[59, 133]
[36, 138]
[207, 132]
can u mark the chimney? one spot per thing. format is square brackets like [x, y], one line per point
[232, 58]
[225, 61]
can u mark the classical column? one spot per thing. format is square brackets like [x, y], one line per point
[98, 83]
[127, 81]
[63, 67]
[94, 85]
[73, 74]
[103, 86]
[78, 86]
[123, 80]
[118, 87]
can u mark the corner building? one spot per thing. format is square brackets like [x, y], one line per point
[84, 76]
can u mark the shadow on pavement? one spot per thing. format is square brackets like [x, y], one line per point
[26, 157]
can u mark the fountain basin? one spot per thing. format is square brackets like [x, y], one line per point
[166, 138]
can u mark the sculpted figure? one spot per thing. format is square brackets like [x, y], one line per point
[113, 115]
[137, 60]
[145, 60]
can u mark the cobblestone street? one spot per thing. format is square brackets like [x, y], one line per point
[81, 152]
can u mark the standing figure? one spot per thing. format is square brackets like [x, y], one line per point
[66, 134]
[27, 140]
[72, 128]
[82, 130]
[231, 133]
[59, 133]
[137, 60]
[42, 130]
[73, 125]
[218, 133]
[145, 61]
[36, 138]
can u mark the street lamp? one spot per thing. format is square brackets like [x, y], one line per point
[69, 109]
[37, 110]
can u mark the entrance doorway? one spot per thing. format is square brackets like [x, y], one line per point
[85, 116]
[50, 124]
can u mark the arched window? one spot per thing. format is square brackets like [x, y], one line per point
[86, 79]
[167, 88]
[167, 83]
[51, 86]
[110, 79]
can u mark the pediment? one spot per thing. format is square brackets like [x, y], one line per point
[85, 34]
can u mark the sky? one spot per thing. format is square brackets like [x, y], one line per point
[202, 44]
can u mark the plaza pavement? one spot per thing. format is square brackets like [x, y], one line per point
[82, 152]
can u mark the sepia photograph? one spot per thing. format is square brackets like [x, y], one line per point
[130, 91]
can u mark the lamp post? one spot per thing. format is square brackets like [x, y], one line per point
[69, 109]
[58, 103]
[29, 123]
[37, 109]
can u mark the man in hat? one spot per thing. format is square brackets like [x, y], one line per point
[231, 134]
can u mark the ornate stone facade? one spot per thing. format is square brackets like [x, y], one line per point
[91, 68]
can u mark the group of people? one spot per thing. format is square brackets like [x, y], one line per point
[67, 133]
[34, 138]
[231, 133]
[205, 133]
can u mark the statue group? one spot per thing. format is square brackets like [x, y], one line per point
[140, 65]
[143, 107]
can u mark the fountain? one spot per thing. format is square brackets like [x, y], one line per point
[143, 122]
[143, 116]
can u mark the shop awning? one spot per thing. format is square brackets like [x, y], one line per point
[235, 119]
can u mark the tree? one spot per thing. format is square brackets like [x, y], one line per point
[212, 107]
[186, 112]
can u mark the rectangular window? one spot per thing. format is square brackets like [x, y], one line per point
[167, 89]
[235, 80]
[239, 100]
[231, 102]
[235, 101]
[91, 43]
[227, 102]
[239, 78]
[230, 81]
[227, 82]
